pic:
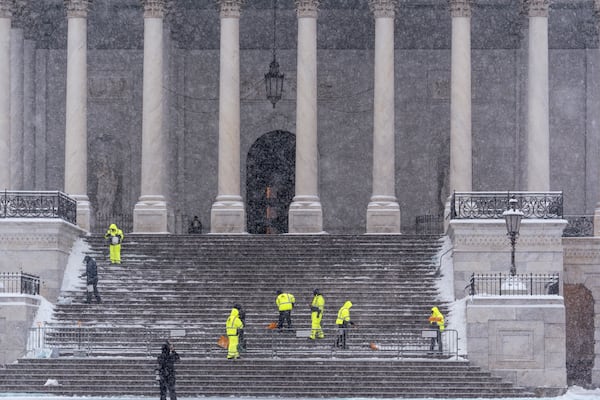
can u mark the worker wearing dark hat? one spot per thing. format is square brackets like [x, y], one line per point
[91, 279]
[285, 303]
[316, 314]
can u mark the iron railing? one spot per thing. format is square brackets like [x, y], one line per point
[579, 226]
[26, 204]
[513, 285]
[491, 205]
[19, 282]
[429, 224]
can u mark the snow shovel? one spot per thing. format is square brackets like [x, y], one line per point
[223, 342]
[272, 325]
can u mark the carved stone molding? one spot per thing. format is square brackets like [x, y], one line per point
[460, 8]
[77, 8]
[537, 8]
[495, 242]
[383, 8]
[307, 8]
[154, 8]
[230, 8]
[6, 8]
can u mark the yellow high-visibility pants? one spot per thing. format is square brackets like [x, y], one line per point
[316, 331]
[115, 253]
[232, 349]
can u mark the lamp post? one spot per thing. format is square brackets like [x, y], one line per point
[513, 217]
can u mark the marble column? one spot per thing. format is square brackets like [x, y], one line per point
[16, 98]
[228, 214]
[383, 211]
[461, 157]
[76, 109]
[538, 130]
[29, 115]
[306, 214]
[150, 212]
[597, 209]
[5, 22]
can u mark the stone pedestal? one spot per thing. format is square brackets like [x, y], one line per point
[228, 215]
[306, 215]
[383, 216]
[40, 247]
[17, 313]
[523, 340]
[150, 215]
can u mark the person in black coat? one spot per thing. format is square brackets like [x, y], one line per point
[91, 278]
[166, 371]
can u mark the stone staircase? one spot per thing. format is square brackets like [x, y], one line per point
[182, 287]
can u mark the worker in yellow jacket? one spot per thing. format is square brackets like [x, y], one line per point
[316, 314]
[234, 325]
[285, 303]
[115, 238]
[437, 318]
[343, 322]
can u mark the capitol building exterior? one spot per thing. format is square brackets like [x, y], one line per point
[150, 112]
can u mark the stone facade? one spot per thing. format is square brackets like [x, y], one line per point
[39, 247]
[345, 102]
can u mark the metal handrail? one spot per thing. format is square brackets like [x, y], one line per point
[400, 343]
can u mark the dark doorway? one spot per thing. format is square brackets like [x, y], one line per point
[270, 182]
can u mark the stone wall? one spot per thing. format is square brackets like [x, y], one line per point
[40, 247]
[16, 316]
[582, 266]
[345, 102]
[521, 338]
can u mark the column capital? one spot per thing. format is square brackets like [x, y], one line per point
[230, 8]
[154, 8]
[537, 8]
[383, 8]
[6, 8]
[460, 8]
[307, 8]
[77, 8]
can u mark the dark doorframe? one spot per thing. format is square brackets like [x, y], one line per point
[270, 182]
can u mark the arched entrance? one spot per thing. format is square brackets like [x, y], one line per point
[270, 182]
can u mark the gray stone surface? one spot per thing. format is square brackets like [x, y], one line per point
[345, 101]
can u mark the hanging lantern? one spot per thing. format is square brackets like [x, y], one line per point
[273, 78]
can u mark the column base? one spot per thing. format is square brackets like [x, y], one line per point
[597, 220]
[596, 372]
[150, 215]
[383, 215]
[228, 215]
[305, 215]
[84, 211]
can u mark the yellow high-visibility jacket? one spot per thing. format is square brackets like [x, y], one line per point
[344, 313]
[437, 317]
[114, 231]
[318, 302]
[234, 323]
[285, 301]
